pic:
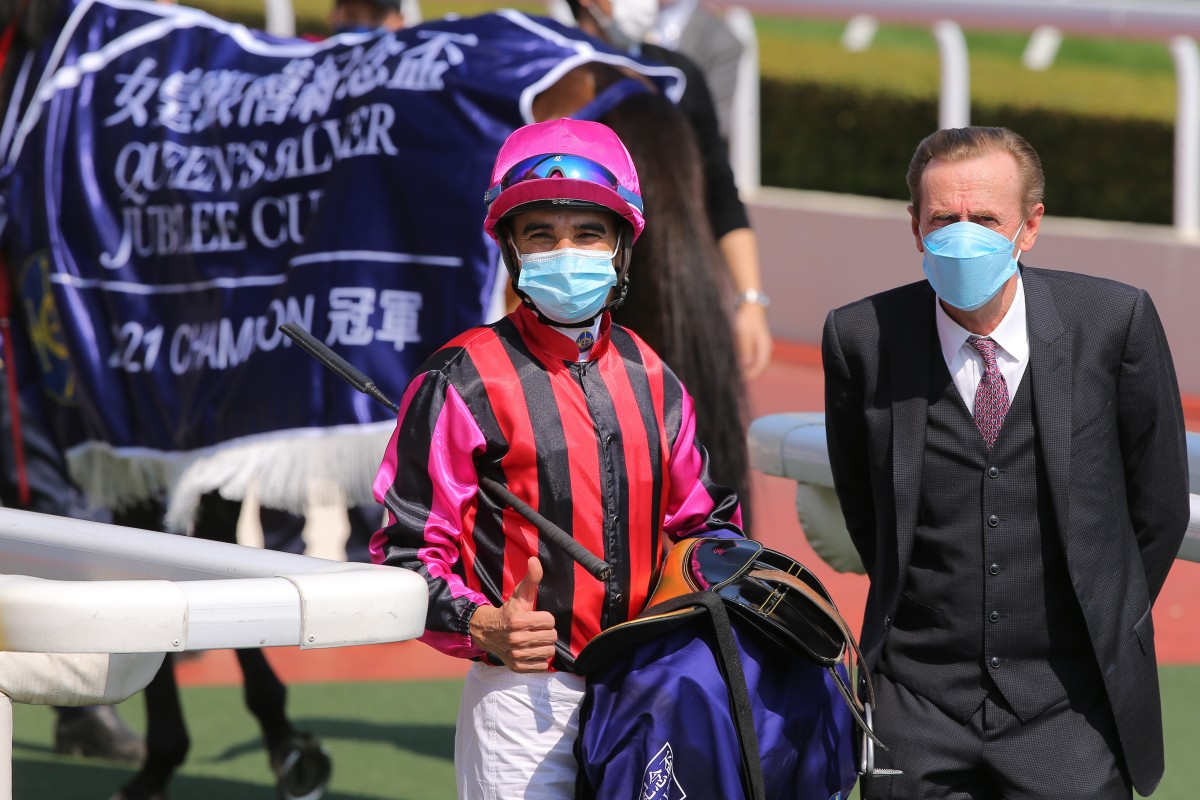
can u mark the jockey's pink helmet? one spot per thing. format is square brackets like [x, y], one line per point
[561, 162]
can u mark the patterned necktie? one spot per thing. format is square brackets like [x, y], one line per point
[991, 395]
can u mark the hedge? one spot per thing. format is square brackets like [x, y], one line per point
[836, 139]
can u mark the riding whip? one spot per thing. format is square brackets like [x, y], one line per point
[499, 493]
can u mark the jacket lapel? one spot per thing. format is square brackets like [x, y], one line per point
[908, 345]
[1050, 366]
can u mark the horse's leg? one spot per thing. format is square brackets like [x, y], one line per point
[167, 740]
[265, 696]
[300, 764]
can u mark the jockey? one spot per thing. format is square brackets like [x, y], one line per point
[580, 419]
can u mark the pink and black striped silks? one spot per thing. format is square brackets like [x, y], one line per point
[605, 449]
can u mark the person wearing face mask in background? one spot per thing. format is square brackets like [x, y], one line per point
[580, 419]
[1008, 450]
[365, 16]
[625, 24]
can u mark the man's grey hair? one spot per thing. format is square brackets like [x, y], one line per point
[960, 144]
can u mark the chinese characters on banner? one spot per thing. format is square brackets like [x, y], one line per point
[176, 187]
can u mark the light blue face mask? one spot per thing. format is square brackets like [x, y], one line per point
[569, 285]
[967, 263]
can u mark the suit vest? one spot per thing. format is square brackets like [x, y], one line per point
[987, 599]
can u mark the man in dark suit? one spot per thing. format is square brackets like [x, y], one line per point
[1008, 449]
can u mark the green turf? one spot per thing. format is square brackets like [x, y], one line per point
[392, 741]
[1090, 76]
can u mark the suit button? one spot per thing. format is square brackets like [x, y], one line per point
[994, 616]
[993, 472]
[994, 569]
[993, 520]
[995, 662]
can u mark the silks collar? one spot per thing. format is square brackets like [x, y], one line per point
[546, 339]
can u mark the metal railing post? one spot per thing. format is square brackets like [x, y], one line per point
[859, 33]
[280, 17]
[1042, 48]
[1187, 136]
[954, 101]
[411, 9]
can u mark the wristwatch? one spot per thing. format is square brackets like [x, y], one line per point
[753, 296]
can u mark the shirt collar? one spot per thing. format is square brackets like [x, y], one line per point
[552, 341]
[1011, 335]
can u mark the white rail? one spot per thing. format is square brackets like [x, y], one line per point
[745, 139]
[185, 593]
[280, 17]
[119, 598]
[793, 446]
[954, 102]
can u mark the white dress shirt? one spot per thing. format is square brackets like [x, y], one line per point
[966, 364]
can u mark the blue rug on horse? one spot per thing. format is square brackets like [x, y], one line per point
[656, 723]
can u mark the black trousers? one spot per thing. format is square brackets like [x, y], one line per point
[1069, 750]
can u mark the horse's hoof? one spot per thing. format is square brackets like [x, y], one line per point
[302, 767]
[97, 732]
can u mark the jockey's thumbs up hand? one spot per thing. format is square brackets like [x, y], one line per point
[524, 597]
[516, 634]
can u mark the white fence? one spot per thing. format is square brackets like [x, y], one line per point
[118, 598]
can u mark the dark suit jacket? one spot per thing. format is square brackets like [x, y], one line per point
[1110, 429]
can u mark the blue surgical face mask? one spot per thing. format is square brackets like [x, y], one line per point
[569, 285]
[967, 264]
[631, 20]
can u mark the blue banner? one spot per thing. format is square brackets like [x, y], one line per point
[177, 186]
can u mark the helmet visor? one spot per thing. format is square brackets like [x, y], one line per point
[561, 165]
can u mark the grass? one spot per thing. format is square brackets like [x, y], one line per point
[391, 741]
[1096, 77]
[388, 741]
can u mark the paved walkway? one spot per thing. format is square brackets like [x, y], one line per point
[793, 382]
